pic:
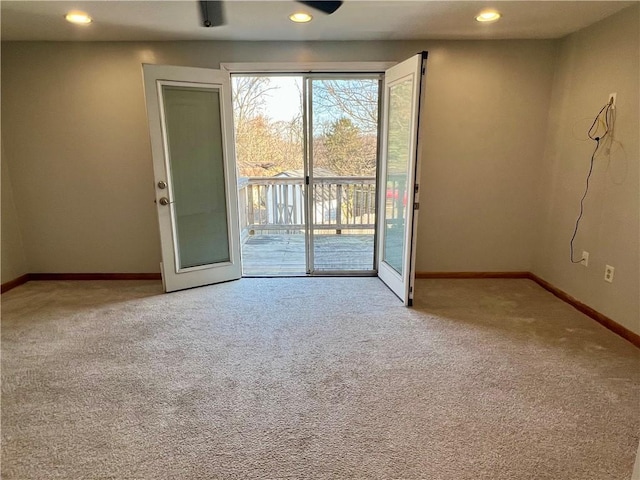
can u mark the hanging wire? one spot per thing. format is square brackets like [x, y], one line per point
[605, 121]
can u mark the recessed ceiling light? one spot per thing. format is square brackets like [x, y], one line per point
[488, 16]
[300, 17]
[80, 18]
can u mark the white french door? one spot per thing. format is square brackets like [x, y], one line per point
[191, 129]
[398, 192]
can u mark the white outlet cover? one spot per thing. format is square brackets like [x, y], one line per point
[585, 258]
[608, 273]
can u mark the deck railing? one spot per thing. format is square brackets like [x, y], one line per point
[276, 204]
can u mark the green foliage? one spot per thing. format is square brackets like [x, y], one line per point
[346, 150]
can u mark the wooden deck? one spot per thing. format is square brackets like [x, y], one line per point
[281, 254]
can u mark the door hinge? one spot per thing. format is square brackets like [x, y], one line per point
[306, 180]
[416, 206]
[416, 188]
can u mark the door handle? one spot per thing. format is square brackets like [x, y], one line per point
[162, 184]
[164, 201]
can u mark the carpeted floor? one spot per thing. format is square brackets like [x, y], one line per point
[312, 378]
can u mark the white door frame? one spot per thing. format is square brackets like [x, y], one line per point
[308, 67]
[303, 69]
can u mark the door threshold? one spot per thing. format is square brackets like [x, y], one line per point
[316, 274]
[276, 275]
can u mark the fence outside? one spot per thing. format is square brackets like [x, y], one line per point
[276, 205]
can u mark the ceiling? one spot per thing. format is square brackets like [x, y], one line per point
[268, 20]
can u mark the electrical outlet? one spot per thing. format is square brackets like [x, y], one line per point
[612, 100]
[585, 258]
[608, 273]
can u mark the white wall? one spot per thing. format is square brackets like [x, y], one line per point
[75, 131]
[594, 62]
[14, 261]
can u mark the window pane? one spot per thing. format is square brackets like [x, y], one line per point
[343, 194]
[398, 154]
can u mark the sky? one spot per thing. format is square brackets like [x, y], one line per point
[284, 103]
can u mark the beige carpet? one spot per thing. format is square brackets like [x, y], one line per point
[312, 378]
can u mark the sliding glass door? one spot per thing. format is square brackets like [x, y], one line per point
[343, 154]
[270, 149]
[307, 149]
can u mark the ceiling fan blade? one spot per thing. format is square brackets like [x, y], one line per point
[327, 7]
[212, 14]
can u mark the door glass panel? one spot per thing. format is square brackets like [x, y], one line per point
[397, 176]
[199, 209]
[344, 163]
[269, 133]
